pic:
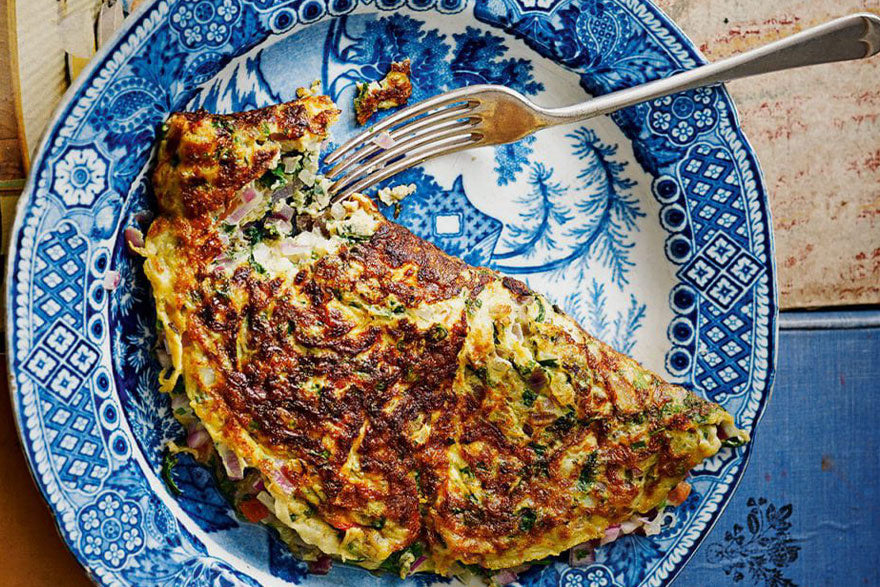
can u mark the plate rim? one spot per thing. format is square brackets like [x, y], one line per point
[135, 19]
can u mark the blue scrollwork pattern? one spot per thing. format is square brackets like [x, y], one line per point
[584, 215]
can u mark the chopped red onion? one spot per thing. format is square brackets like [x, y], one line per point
[197, 438]
[383, 140]
[285, 212]
[321, 566]
[283, 193]
[248, 202]
[259, 485]
[282, 481]
[417, 563]
[134, 238]
[505, 577]
[232, 464]
[248, 195]
[111, 280]
[611, 534]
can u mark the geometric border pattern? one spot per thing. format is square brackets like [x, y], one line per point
[35, 364]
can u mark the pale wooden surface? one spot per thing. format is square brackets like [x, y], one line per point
[33, 552]
[817, 135]
[816, 132]
[10, 155]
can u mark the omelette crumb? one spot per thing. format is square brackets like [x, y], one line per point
[394, 90]
[391, 195]
[312, 90]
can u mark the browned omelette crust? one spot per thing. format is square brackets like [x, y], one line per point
[479, 466]
[204, 158]
[394, 90]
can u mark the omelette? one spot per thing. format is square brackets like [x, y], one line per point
[375, 400]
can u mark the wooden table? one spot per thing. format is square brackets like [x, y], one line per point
[818, 137]
[33, 553]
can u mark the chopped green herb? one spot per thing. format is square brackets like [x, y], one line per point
[254, 426]
[274, 178]
[529, 397]
[525, 370]
[222, 123]
[254, 233]
[466, 471]
[540, 316]
[437, 332]
[392, 563]
[539, 449]
[356, 238]
[588, 472]
[527, 519]
[564, 423]
[639, 444]
[472, 305]
[361, 94]
[378, 524]
[324, 454]
[733, 442]
[495, 338]
[257, 267]
[169, 461]
[550, 363]
[481, 373]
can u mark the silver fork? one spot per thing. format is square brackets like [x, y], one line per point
[481, 115]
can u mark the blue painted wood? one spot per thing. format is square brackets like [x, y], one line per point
[806, 510]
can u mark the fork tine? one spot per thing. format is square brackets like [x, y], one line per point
[460, 95]
[446, 131]
[433, 120]
[434, 149]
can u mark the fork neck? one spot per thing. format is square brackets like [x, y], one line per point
[851, 37]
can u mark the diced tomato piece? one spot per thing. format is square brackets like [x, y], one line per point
[253, 509]
[342, 525]
[680, 493]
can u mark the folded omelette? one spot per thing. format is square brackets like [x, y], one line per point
[374, 399]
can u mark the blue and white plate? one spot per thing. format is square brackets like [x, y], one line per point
[651, 227]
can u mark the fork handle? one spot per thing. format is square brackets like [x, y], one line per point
[856, 36]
